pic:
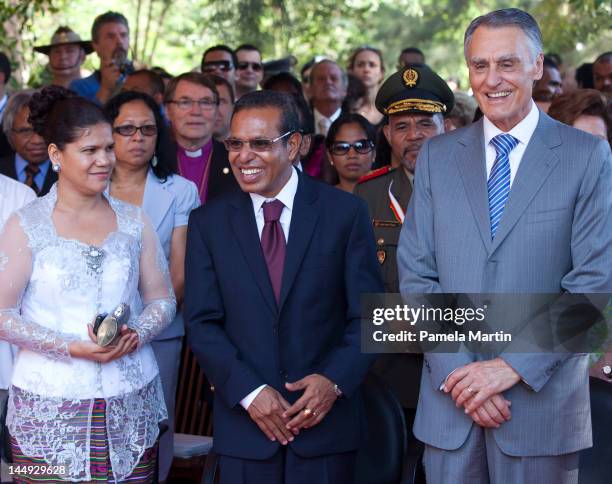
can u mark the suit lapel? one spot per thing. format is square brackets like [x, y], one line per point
[304, 218]
[536, 165]
[245, 229]
[156, 197]
[473, 174]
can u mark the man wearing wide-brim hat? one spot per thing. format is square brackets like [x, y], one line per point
[66, 53]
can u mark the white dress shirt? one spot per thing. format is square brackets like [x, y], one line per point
[287, 196]
[522, 131]
[13, 195]
[321, 120]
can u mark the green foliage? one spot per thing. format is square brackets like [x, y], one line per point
[174, 33]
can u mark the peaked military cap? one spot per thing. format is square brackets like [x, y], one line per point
[415, 88]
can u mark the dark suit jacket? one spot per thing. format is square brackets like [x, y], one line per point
[220, 178]
[7, 167]
[5, 148]
[243, 340]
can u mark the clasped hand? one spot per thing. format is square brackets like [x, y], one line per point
[281, 421]
[91, 350]
[478, 388]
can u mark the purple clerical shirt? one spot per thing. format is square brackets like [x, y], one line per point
[193, 165]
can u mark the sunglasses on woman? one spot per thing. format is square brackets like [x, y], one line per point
[362, 146]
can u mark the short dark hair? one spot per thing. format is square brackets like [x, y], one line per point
[165, 166]
[248, 47]
[5, 67]
[605, 57]
[284, 103]
[192, 77]
[107, 18]
[305, 67]
[295, 91]
[222, 81]
[350, 118]
[58, 115]
[222, 47]
[413, 50]
[163, 73]
[154, 79]
[550, 62]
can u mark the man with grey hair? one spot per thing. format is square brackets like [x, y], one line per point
[515, 203]
[328, 83]
[30, 163]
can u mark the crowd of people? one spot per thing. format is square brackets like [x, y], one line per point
[244, 211]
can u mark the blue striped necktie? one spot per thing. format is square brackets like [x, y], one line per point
[498, 185]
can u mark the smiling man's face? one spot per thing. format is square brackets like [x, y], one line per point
[502, 72]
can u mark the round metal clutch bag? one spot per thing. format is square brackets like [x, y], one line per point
[107, 327]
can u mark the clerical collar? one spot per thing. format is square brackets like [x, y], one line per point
[193, 154]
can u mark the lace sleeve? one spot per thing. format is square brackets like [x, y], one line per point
[155, 287]
[15, 271]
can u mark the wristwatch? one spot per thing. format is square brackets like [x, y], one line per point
[607, 371]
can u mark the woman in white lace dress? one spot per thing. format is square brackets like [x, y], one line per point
[81, 411]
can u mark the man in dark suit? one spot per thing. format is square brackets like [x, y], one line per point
[274, 275]
[30, 163]
[192, 101]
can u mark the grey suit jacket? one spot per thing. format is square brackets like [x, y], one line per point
[555, 236]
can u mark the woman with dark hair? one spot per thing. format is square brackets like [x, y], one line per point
[350, 147]
[585, 109]
[366, 63]
[85, 288]
[149, 181]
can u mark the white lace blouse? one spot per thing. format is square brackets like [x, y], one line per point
[52, 288]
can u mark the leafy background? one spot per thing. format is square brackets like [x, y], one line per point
[174, 33]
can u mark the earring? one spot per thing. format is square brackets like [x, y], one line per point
[154, 161]
[56, 167]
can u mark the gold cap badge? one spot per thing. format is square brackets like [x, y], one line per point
[410, 77]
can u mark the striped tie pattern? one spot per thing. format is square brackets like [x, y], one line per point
[498, 185]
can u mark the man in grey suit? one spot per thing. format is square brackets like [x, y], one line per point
[515, 203]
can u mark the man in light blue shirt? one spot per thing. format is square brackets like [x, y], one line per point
[110, 38]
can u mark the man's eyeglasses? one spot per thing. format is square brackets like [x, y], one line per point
[222, 65]
[257, 144]
[25, 132]
[205, 104]
[361, 146]
[130, 130]
[256, 66]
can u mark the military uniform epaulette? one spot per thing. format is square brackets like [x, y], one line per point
[376, 173]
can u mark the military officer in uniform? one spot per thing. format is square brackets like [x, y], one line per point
[415, 99]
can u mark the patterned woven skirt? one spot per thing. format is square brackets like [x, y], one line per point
[101, 470]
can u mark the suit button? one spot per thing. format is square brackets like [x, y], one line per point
[284, 374]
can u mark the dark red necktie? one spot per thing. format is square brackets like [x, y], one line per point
[273, 244]
[31, 171]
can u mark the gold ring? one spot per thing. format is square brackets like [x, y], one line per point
[469, 389]
[314, 413]
[307, 412]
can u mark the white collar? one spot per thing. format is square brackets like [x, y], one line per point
[332, 118]
[522, 131]
[286, 195]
